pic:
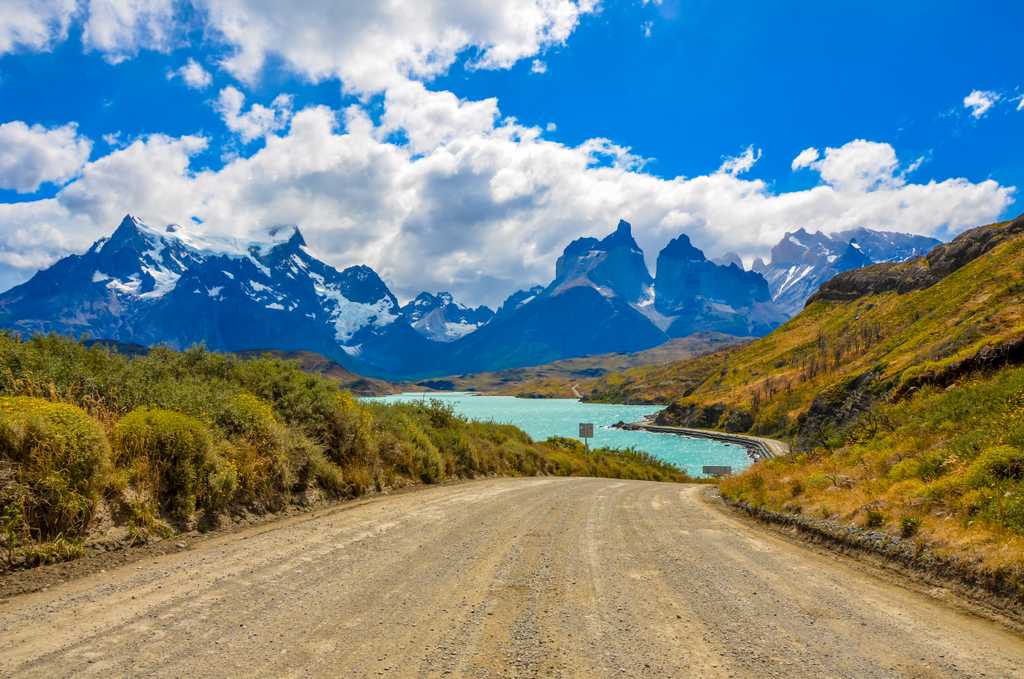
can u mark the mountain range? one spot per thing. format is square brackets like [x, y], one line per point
[172, 286]
[802, 261]
[152, 286]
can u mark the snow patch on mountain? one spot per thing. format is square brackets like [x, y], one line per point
[441, 319]
[801, 261]
[350, 317]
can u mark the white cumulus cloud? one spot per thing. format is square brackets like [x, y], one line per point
[370, 46]
[805, 158]
[119, 29]
[979, 102]
[259, 120]
[859, 165]
[433, 119]
[33, 155]
[34, 24]
[737, 165]
[193, 75]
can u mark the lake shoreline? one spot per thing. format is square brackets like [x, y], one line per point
[545, 418]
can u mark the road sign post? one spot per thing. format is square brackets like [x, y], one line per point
[586, 432]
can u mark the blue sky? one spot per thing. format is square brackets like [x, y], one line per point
[392, 143]
[714, 77]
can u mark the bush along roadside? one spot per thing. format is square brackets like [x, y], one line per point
[102, 450]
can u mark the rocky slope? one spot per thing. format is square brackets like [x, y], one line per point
[591, 307]
[603, 299]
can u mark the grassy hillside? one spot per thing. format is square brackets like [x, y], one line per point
[95, 445]
[900, 389]
[873, 344]
[557, 379]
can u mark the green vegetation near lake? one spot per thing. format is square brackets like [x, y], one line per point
[94, 443]
[560, 417]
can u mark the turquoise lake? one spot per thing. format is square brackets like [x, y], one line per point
[541, 418]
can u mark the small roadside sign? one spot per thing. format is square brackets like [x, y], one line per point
[716, 470]
[586, 432]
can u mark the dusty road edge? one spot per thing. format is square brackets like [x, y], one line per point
[934, 582]
[40, 578]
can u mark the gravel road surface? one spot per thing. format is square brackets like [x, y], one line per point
[500, 578]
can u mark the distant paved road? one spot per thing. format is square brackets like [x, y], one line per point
[761, 447]
[499, 578]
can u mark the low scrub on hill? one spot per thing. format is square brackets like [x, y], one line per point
[945, 465]
[92, 443]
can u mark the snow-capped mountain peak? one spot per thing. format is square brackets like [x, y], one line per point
[801, 261]
[440, 318]
[178, 285]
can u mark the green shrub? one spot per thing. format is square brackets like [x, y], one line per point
[246, 416]
[874, 519]
[52, 551]
[430, 466]
[909, 525]
[171, 455]
[326, 474]
[221, 482]
[272, 459]
[348, 431]
[60, 460]
[567, 444]
[1008, 510]
[264, 475]
[996, 464]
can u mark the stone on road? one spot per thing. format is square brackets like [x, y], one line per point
[500, 578]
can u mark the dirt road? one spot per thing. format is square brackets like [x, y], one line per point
[500, 578]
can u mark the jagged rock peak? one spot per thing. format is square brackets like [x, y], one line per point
[622, 236]
[729, 258]
[680, 247]
[287, 233]
[130, 226]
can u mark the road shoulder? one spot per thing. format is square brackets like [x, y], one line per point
[930, 583]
